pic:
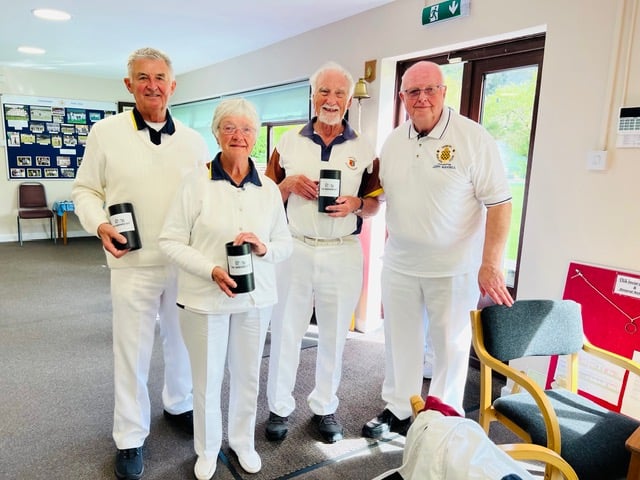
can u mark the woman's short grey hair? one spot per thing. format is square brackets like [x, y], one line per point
[331, 66]
[150, 53]
[234, 107]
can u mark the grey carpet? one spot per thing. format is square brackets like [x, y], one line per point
[56, 392]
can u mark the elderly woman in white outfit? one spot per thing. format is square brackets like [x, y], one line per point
[233, 203]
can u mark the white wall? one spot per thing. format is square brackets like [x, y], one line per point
[573, 214]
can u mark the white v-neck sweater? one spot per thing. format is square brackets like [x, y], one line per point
[121, 165]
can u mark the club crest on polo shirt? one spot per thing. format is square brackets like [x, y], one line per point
[351, 163]
[445, 156]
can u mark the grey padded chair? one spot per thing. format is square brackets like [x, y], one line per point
[589, 437]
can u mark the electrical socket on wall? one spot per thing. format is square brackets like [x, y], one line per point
[597, 160]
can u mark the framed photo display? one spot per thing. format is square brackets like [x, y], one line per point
[45, 137]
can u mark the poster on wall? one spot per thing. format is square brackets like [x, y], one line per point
[610, 303]
[45, 137]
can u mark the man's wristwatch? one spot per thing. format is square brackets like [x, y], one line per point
[358, 210]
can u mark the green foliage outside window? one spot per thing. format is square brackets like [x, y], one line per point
[508, 102]
[259, 154]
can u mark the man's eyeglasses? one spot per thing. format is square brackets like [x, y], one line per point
[428, 91]
[231, 129]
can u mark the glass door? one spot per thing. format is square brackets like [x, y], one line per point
[504, 100]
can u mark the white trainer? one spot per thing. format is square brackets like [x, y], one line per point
[249, 461]
[205, 468]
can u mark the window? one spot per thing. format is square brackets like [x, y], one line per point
[274, 131]
[279, 108]
[498, 85]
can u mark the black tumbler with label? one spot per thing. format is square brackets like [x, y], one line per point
[123, 218]
[329, 188]
[240, 265]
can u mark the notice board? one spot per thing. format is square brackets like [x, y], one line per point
[610, 301]
[45, 137]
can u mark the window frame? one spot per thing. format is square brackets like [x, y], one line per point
[250, 95]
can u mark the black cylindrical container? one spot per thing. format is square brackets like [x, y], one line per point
[329, 188]
[240, 265]
[122, 216]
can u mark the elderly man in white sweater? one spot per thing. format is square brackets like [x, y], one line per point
[140, 157]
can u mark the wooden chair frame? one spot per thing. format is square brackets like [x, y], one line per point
[488, 414]
[520, 451]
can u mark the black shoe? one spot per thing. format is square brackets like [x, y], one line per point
[385, 422]
[329, 427]
[129, 464]
[182, 421]
[277, 427]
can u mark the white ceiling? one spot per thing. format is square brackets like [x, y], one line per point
[194, 33]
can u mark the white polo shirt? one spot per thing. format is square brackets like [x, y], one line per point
[299, 154]
[437, 189]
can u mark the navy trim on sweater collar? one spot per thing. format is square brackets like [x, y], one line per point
[169, 127]
[218, 173]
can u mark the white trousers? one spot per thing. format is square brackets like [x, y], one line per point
[140, 297]
[329, 277]
[448, 301]
[428, 343]
[212, 339]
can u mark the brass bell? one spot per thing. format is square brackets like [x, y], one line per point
[360, 90]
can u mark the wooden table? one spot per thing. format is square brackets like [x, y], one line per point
[633, 445]
[61, 209]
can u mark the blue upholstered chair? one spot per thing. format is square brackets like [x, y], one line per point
[589, 437]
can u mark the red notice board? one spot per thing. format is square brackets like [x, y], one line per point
[610, 301]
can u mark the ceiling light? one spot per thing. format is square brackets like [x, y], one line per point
[50, 14]
[31, 50]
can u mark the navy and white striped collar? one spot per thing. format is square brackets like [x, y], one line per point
[437, 131]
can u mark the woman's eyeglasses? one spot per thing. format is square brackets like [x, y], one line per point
[231, 129]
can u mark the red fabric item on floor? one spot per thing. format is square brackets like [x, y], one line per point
[434, 403]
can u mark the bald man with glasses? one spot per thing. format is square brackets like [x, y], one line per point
[448, 214]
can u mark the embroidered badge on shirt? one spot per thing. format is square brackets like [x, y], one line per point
[351, 163]
[445, 156]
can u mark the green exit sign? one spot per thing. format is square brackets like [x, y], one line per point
[445, 11]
